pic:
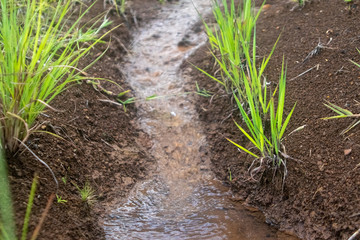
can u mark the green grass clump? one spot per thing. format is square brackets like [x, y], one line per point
[39, 55]
[261, 111]
[87, 193]
[232, 24]
[264, 117]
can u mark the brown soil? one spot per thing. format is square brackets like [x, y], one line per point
[102, 145]
[320, 199]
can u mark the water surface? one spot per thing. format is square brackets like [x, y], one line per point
[181, 199]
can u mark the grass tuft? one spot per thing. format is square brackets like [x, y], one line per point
[39, 53]
[232, 24]
[261, 109]
[87, 193]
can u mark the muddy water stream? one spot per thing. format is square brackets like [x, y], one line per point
[180, 199]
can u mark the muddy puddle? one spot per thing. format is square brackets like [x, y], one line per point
[181, 199]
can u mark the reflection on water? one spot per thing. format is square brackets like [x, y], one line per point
[181, 199]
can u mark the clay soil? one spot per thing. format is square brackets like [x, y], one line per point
[320, 199]
[104, 147]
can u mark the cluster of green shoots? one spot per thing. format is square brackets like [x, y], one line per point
[119, 5]
[301, 2]
[233, 27]
[41, 44]
[263, 114]
[39, 54]
[87, 193]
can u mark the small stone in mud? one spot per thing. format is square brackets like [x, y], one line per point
[197, 29]
[127, 180]
[321, 165]
[184, 43]
[347, 151]
[156, 36]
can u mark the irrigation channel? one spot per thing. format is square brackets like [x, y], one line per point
[180, 199]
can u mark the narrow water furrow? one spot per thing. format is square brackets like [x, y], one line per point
[181, 199]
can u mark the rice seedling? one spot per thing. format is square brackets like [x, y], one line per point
[39, 55]
[263, 115]
[119, 5]
[87, 193]
[264, 120]
[59, 199]
[64, 179]
[126, 102]
[122, 6]
[301, 3]
[230, 176]
[232, 23]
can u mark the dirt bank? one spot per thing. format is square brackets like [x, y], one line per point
[102, 145]
[321, 195]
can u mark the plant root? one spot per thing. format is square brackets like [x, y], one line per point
[355, 235]
[317, 50]
[303, 73]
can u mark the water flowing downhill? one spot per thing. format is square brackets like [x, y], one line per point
[180, 199]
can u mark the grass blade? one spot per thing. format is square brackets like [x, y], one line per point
[242, 148]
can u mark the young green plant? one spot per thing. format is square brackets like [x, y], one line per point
[262, 111]
[234, 37]
[232, 23]
[39, 53]
[87, 193]
[301, 3]
[59, 199]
